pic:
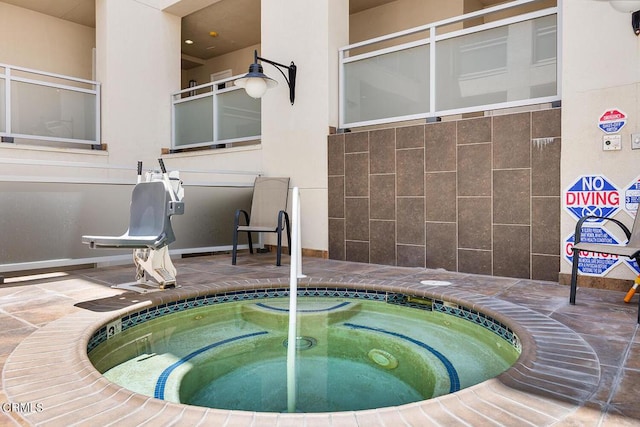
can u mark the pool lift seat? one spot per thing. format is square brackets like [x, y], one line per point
[631, 249]
[153, 202]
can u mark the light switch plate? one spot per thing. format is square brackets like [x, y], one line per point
[611, 142]
[635, 141]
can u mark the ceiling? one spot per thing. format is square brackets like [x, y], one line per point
[236, 22]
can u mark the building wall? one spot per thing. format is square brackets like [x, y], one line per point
[477, 195]
[38, 41]
[600, 71]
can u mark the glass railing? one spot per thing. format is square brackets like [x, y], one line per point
[37, 105]
[216, 114]
[449, 67]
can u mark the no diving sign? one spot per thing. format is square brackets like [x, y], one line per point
[611, 121]
[592, 195]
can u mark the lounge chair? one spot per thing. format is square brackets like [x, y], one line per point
[268, 214]
[631, 249]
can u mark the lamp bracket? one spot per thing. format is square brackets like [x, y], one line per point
[290, 78]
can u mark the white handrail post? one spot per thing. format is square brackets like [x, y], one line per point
[298, 252]
[293, 303]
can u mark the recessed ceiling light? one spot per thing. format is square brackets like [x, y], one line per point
[188, 41]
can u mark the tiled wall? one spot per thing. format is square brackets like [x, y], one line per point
[478, 195]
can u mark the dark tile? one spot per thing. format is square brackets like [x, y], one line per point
[336, 239]
[410, 172]
[335, 148]
[383, 151]
[410, 137]
[546, 123]
[474, 223]
[383, 242]
[356, 174]
[512, 141]
[511, 253]
[336, 196]
[511, 196]
[357, 251]
[545, 225]
[356, 142]
[356, 218]
[474, 170]
[383, 197]
[545, 267]
[440, 147]
[410, 256]
[440, 193]
[545, 167]
[474, 261]
[472, 131]
[442, 243]
[410, 220]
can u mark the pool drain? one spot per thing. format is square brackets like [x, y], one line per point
[382, 358]
[302, 343]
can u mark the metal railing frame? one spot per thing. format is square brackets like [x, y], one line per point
[432, 40]
[8, 78]
[177, 99]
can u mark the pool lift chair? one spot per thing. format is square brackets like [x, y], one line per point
[153, 202]
[631, 249]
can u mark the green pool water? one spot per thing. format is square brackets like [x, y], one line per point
[351, 355]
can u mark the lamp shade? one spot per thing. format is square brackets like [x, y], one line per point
[626, 6]
[255, 82]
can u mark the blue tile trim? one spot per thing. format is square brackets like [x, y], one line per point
[164, 376]
[320, 310]
[454, 379]
[424, 303]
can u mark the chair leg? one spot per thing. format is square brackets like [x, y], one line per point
[286, 222]
[574, 277]
[234, 251]
[279, 246]
[250, 242]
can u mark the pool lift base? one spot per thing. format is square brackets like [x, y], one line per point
[154, 271]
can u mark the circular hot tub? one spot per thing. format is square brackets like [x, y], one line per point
[355, 350]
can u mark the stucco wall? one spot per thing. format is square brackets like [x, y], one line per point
[38, 41]
[600, 71]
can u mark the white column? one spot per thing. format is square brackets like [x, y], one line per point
[138, 64]
[294, 138]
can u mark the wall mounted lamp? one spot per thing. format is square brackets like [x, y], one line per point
[632, 7]
[256, 83]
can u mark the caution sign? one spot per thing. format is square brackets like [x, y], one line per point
[632, 264]
[592, 195]
[632, 197]
[592, 263]
[611, 121]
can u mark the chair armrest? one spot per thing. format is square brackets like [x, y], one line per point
[581, 221]
[236, 220]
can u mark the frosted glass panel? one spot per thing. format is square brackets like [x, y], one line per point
[510, 63]
[390, 85]
[52, 112]
[194, 121]
[3, 109]
[238, 115]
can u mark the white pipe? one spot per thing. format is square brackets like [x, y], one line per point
[298, 252]
[293, 304]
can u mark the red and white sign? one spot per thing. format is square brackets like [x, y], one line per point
[611, 121]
